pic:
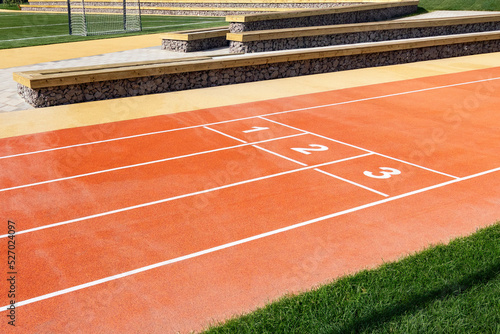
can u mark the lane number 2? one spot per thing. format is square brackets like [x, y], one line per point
[386, 172]
[311, 148]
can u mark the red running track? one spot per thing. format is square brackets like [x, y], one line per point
[168, 223]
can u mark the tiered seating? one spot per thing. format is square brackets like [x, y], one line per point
[192, 7]
[73, 85]
[307, 37]
[422, 40]
[187, 41]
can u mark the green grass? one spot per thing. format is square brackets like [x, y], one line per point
[430, 5]
[444, 289]
[26, 29]
[9, 6]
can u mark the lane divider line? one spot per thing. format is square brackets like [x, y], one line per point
[98, 142]
[385, 96]
[143, 164]
[279, 155]
[351, 182]
[169, 199]
[225, 134]
[237, 242]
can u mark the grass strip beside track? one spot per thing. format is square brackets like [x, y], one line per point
[452, 288]
[29, 29]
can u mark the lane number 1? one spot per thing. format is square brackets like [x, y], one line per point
[386, 172]
[255, 129]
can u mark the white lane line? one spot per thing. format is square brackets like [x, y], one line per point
[385, 96]
[279, 155]
[22, 39]
[141, 164]
[40, 25]
[225, 134]
[316, 135]
[99, 142]
[364, 149]
[143, 205]
[236, 243]
[250, 117]
[419, 166]
[351, 182]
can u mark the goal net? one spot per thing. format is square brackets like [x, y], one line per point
[86, 19]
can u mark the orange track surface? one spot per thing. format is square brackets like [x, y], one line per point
[295, 191]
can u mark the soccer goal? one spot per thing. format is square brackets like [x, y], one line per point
[120, 16]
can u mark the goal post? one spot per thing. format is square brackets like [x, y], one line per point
[120, 16]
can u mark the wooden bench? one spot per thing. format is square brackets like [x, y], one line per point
[306, 37]
[72, 85]
[195, 40]
[321, 17]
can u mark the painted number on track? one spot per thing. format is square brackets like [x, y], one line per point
[255, 129]
[385, 173]
[311, 148]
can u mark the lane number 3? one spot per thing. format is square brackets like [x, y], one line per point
[385, 173]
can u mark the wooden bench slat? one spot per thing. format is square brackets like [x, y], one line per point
[192, 35]
[314, 12]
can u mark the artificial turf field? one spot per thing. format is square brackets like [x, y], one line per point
[29, 29]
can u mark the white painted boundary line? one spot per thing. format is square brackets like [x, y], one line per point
[22, 39]
[143, 164]
[40, 25]
[351, 182]
[99, 142]
[250, 117]
[279, 155]
[238, 242]
[364, 149]
[225, 134]
[169, 199]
